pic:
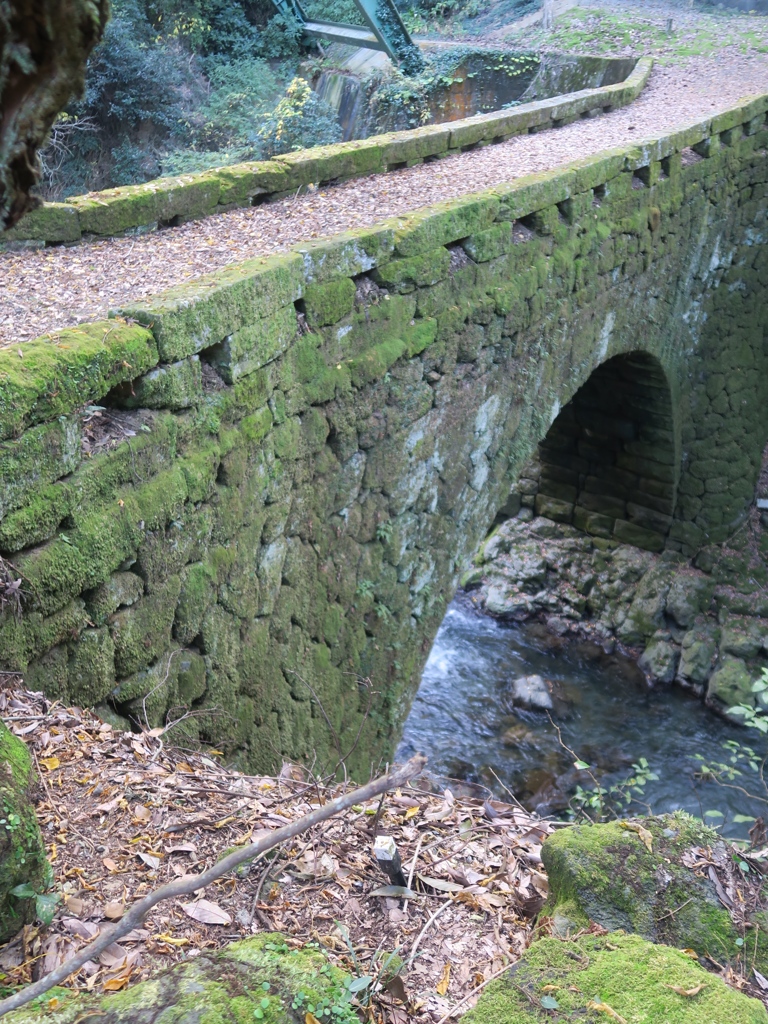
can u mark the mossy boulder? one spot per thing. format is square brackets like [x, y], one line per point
[22, 854]
[583, 979]
[258, 979]
[607, 874]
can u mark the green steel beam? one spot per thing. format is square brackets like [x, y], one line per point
[386, 31]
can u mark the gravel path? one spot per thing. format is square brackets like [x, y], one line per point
[47, 289]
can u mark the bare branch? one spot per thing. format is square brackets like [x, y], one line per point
[185, 887]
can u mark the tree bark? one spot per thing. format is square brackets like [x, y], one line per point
[44, 45]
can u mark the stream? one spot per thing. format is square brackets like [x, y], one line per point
[464, 721]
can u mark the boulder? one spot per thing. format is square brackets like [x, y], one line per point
[260, 978]
[659, 661]
[611, 978]
[532, 692]
[664, 878]
[730, 685]
[688, 596]
[22, 853]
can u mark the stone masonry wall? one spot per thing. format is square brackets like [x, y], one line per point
[250, 499]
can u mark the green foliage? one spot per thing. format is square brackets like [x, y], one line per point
[299, 120]
[601, 803]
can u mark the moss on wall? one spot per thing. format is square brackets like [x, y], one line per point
[296, 517]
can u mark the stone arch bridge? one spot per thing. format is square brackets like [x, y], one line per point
[300, 454]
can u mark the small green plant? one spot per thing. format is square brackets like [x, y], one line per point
[45, 903]
[600, 803]
[384, 531]
[365, 588]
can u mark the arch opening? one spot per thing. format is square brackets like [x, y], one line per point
[608, 464]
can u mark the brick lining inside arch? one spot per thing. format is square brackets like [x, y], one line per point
[608, 462]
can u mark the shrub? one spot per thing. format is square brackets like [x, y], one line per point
[301, 119]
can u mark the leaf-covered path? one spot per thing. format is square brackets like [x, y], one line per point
[45, 290]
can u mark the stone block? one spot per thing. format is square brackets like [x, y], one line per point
[592, 522]
[203, 312]
[141, 633]
[254, 346]
[444, 223]
[327, 303]
[553, 508]
[347, 254]
[697, 658]
[41, 455]
[648, 518]
[175, 386]
[51, 222]
[91, 667]
[62, 372]
[630, 533]
[424, 270]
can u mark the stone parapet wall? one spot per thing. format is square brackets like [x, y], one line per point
[243, 505]
[173, 201]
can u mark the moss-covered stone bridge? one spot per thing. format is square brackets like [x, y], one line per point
[257, 532]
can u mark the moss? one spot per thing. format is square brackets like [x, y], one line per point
[347, 254]
[226, 987]
[374, 363]
[633, 978]
[255, 345]
[37, 521]
[39, 457]
[201, 313]
[444, 223]
[116, 210]
[240, 183]
[328, 303]
[63, 371]
[177, 386]
[141, 633]
[91, 673]
[419, 271]
[605, 873]
[51, 222]
[22, 854]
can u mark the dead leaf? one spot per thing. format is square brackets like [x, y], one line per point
[761, 980]
[113, 911]
[141, 813]
[607, 1010]
[109, 864]
[310, 1018]
[51, 763]
[75, 905]
[115, 984]
[150, 860]
[394, 890]
[206, 912]
[172, 940]
[644, 834]
[687, 991]
[440, 884]
[445, 979]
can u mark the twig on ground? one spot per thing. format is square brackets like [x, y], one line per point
[185, 887]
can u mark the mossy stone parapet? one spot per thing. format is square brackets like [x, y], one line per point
[227, 987]
[22, 853]
[309, 448]
[170, 201]
[614, 977]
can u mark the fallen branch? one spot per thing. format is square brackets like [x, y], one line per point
[185, 887]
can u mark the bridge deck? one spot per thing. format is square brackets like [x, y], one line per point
[47, 289]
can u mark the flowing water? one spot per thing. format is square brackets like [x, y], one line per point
[463, 720]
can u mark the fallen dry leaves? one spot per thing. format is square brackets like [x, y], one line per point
[122, 813]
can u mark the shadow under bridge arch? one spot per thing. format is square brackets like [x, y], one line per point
[609, 462]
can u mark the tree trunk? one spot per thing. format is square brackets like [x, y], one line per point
[44, 45]
[548, 16]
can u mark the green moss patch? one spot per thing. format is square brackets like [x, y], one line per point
[62, 371]
[22, 854]
[607, 874]
[616, 977]
[258, 979]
